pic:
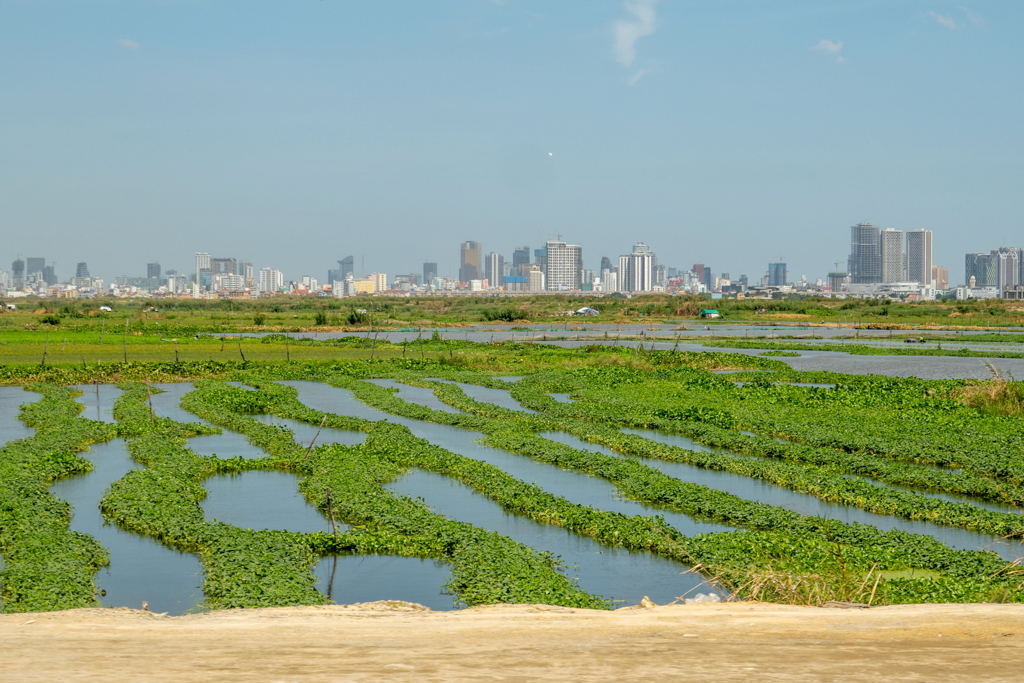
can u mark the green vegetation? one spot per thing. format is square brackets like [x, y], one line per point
[872, 443]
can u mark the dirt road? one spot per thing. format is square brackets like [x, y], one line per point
[396, 641]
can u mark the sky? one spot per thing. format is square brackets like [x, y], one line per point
[727, 132]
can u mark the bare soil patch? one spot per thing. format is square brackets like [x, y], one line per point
[400, 641]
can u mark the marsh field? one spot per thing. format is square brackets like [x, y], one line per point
[457, 468]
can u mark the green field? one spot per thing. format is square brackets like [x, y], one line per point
[873, 444]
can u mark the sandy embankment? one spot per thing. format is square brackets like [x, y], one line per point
[733, 642]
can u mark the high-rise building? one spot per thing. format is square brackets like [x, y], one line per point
[919, 256]
[699, 270]
[18, 275]
[564, 266]
[224, 266]
[429, 272]
[865, 263]
[636, 270]
[246, 272]
[940, 276]
[520, 261]
[1008, 263]
[470, 265]
[777, 275]
[836, 281]
[540, 259]
[534, 279]
[606, 264]
[890, 251]
[982, 267]
[494, 269]
[49, 276]
[35, 266]
[204, 278]
[82, 270]
[153, 270]
[271, 280]
[380, 281]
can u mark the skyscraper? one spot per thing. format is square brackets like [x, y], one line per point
[153, 270]
[494, 269]
[18, 275]
[606, 264]
[82, 270]
[919, 256]
[35, 266]
[520, 261]
[636, 270]
[865, 255]
[49, 277]
[470, 264]
[890, 251]
[343, 271]
[564, 266]
[203, 276]
[777, 275]
[540, 259]
[982, 267]
[429, 272]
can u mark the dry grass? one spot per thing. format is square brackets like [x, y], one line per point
[1000, 395]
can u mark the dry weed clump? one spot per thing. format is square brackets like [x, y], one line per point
[1000, 395]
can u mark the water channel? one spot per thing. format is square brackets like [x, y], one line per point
[140, 568]
[262, 499]
[614, 573]
[98, 400]
[11, 400]
[805, 504]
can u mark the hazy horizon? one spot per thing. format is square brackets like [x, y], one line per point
[295, 134]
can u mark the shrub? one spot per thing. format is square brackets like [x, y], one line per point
[260, 318]
[320, 318]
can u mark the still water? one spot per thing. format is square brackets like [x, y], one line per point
[11, 400]
[262, 499]
[349, 579]
[140, 568]
[805, 504]
[98, 400]
[615, 573]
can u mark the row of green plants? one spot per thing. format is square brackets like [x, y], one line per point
[967, 574]
[862, 349]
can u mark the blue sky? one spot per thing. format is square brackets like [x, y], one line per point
[295, 133]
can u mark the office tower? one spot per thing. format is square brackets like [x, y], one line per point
[49, 277]
[345, 268]
[919, 256]
[890, 251]
[18, 274]
[82, 270]
[865, 263]
[429, 272]
[470, 265]
[699, 271]
[636, 270]
[224, 266]
[982, 267]
[776, 274]
[203, 277]
[606, 264]
[1008, 264]
[271, 280]
[35, 265]
[494, 270]
[153, 271]
[540, 259]
[940, 276]
[520, 262]
[564, 266]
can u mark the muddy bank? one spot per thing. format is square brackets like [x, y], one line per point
[730, 642]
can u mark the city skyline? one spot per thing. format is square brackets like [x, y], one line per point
[346, 124]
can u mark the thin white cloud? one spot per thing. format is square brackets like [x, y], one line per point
[829, 46]
[129, 44]
[635, 78]
[628, 31]
[975, 19]
[943, 20]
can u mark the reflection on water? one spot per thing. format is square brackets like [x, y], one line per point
[262, 499]
[227, 444]
[98, 400]
[348, 579]
[140, 568]
[614, 573]
[805, 504]
[11, 400]
[562, 398]
[665, 438]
